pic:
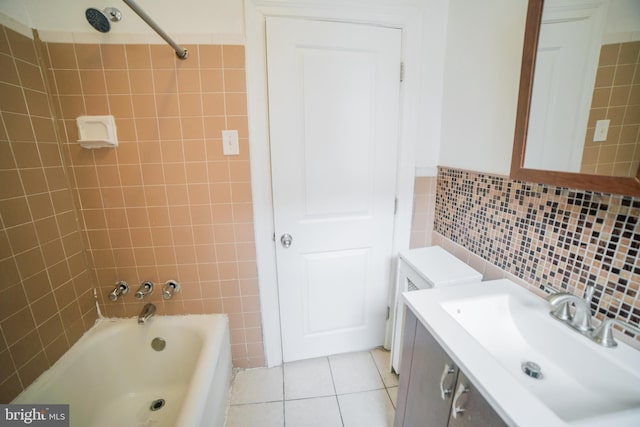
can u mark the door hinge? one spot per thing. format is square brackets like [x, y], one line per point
[274, 237]
[402, 71]
[388, 312]
[395, 206]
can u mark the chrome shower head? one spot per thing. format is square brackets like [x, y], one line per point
[99, 19]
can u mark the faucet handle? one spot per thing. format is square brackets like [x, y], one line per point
[121, 288]
[170, 288]
[603, 334]
[562, 311]
[145, 289]
[588, 292]
[560, 307]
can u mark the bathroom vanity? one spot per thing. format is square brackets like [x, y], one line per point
[433, 391]
[490, 354]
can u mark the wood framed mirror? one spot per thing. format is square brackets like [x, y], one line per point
[610, 184]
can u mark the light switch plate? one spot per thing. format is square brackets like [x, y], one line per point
[230, 146]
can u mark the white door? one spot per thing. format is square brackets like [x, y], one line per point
[566, 65]
[333, 114]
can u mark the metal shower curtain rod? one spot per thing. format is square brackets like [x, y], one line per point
[181, 52]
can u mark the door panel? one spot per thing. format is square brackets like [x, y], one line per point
[336, 84]
[329, 274]
[333, 108]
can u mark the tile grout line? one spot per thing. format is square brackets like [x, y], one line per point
[335, 391]
[335, 395]
[284, 410]
[384, 384]
[386, 387]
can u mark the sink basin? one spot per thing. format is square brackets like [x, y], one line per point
[491, 329]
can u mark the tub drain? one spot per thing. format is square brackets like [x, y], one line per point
[532, 370]
[158, 344]
[157, 404]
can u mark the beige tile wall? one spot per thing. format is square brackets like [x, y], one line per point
[616, 97]
[166, 204]
[46, 300]
[424, 201]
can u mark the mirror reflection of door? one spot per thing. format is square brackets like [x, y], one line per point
[585, 109]
[566, 63]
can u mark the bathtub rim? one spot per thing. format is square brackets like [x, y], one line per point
[214, 326]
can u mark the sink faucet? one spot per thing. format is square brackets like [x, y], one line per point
[581, 320]
[147, 311]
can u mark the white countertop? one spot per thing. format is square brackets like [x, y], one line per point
[515, 403]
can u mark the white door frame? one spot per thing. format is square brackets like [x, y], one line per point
[406, 18]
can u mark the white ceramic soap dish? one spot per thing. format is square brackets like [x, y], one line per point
[97, 132]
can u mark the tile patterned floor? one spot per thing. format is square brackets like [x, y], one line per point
[346, 390]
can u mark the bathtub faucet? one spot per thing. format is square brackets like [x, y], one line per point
[145, 289]
[170, 288]
[147, 311]
[121, 288]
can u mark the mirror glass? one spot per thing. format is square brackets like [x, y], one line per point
[585, 102]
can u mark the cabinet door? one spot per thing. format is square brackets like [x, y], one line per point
[430, 370]
[476, 411]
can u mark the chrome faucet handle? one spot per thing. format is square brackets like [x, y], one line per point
[121, 289]
[145, 289]
[588, 292]
[581, 320]
[170, 288]
[603, 334]
[562, 311]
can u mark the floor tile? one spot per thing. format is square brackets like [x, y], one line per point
[308, 378]
[393, 394]
[382, 358]
[257, 386]
[256, 415]
[316, 412]
[354, 372]
[366, 409]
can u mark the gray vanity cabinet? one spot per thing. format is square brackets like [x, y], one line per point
[476, 410]
[429, 381]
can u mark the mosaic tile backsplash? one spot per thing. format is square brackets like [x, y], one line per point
[546, 235]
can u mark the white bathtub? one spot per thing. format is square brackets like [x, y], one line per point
[111, 376]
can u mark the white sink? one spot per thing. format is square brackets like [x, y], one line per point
[490, 329]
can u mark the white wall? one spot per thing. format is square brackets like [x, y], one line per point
[434, 24]
[623, 22]
[186, 21]
[481, 76]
